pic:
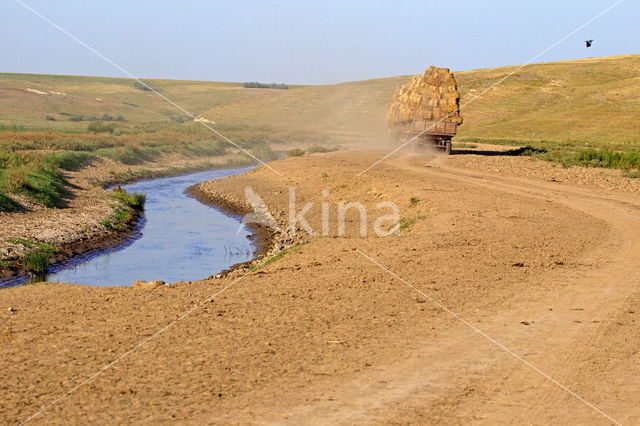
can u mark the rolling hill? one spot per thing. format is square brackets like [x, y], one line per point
[581, 102]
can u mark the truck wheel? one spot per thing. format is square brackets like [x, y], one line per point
[447, 147]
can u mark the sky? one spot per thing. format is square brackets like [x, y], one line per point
[304, 41]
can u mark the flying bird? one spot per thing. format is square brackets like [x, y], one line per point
[588, 42]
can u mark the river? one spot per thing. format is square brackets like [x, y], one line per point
[179, 239]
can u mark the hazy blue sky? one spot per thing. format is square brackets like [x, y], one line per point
[303, 41]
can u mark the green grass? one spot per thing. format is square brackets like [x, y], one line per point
[135, 201]
[631, 174]
[33, 177]
[463, 145]
[628, 161]
[36, 259]
[609, 159]
[71, 160]
[296, 152]
[277, 256]
[36, 176]
[101, 127]
[8, 204]
[125, 209]
[121, 215]
[321, 148]
[406, 223]
[130, 155]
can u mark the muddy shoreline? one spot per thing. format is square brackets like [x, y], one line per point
[263, 237]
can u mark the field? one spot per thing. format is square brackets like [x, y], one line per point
[585, 102]
[589, 101]
[575, 112]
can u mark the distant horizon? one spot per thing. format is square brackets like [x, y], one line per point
[304, 42]
[302, 85]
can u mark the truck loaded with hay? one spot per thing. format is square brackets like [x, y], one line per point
[426, 111]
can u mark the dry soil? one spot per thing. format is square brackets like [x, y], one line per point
[511, 297]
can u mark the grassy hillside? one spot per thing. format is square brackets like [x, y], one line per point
[583, 101]
[52, 123]
[589, 101]
[28, 99]
[342, 113]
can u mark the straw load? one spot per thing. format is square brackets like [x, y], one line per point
[431, 96]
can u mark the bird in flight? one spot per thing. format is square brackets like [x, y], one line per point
[588, 43]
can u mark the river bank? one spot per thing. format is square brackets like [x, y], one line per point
[269, 240]
[326, 330]
[80, 228]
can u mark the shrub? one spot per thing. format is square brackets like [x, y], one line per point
[40, 182]
[121, 215]
[296, 152]
[37, 259]
[136, 200]
[264, 152]
[16, 179]
[7, 204]
[405, 223]
[320, 148]
[632, 175]
[609, 159]
[98, 127]
[11, 128]
[70, 160]
[130, 155]
[142, 86]
[256, 85]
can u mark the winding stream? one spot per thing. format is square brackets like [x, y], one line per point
[180, 239]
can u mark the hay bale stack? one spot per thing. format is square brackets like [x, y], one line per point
[430, 96]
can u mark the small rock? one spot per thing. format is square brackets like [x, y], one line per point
[147, 285]
[12, 309]
[525, 322]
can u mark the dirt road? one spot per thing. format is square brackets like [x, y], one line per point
[572, 364]
[506, 299]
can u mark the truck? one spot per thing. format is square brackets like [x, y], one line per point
[425, 133]
[426, 110]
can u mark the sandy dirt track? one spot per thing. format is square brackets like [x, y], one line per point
[548, 269]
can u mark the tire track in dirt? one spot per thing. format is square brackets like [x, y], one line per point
[461, 378]
[622, 216]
